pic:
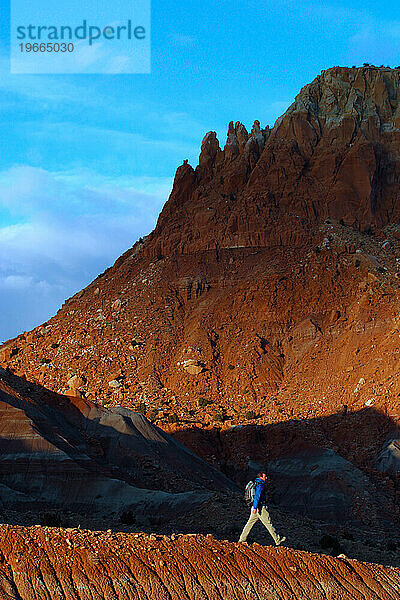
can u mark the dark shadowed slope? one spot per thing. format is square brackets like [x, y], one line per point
[68, 453]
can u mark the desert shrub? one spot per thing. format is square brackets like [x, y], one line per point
[329, 541]
[156, 520]
[202, 402]
[51, 519]
[173, 418]
[219, 418]
[348, 536]
[141, 408]
[250, 415]
[231, 367]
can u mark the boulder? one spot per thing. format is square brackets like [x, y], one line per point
[388, 461]
[116, 305]
[114, 384]
[193, 367]
[76, 382]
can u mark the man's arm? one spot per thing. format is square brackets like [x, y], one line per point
[257, 494]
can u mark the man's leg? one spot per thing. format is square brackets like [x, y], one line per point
[266, 521]
[246, 530]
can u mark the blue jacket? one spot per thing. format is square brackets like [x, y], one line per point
[260, 495]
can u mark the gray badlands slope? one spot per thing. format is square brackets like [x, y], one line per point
[59, 452]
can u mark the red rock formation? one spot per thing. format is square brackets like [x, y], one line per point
[45, 563]
[268, 296]
[334, 153]
[246, 305]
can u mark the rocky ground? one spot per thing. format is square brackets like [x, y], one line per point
[67, 462]
[73, 564]
[223, 517]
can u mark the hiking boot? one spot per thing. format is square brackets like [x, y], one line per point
[280, 540]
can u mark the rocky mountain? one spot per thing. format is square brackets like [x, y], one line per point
[260, 319]
[333, 154]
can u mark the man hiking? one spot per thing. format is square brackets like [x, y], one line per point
[259, 509]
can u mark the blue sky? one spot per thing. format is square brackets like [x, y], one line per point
[87, 161]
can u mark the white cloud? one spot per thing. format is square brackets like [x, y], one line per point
[71, 227]
[16, 282]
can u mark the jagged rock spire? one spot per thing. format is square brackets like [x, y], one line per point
[236, 140]
[259, 135]
[209, 155]
[209, 149]
[255, 144]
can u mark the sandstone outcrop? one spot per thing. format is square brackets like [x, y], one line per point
[333, 154]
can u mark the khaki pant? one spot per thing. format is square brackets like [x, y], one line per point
[265, 519]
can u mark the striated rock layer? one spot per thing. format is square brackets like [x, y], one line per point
[67, 454]
[45, 563]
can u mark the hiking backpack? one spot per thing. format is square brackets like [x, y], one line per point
[249, 492]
